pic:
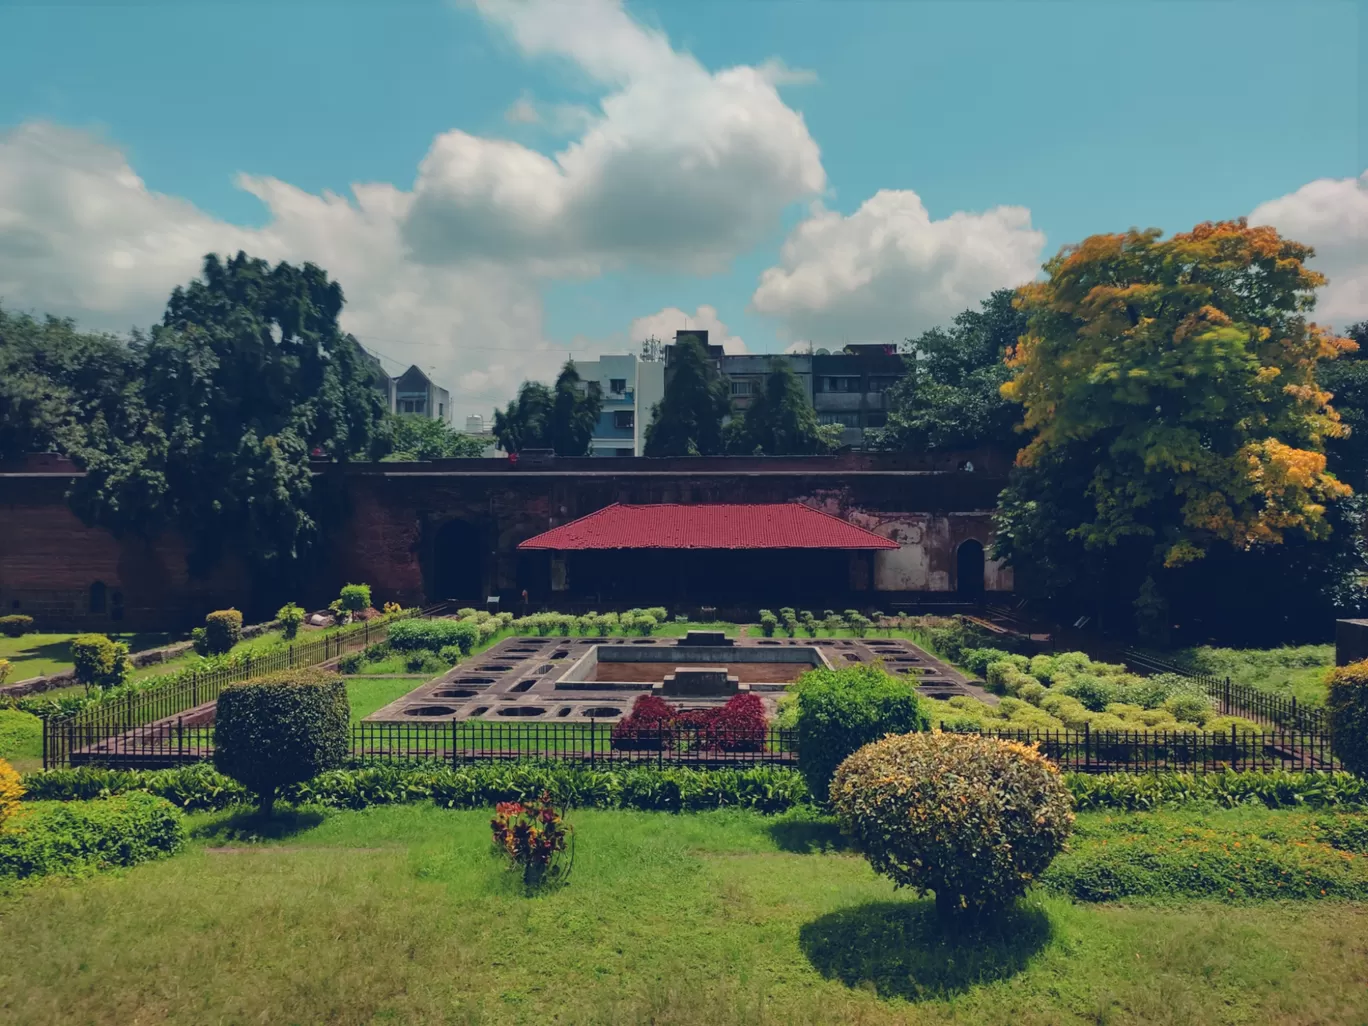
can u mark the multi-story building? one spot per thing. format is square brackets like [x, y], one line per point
[746, 374]
[850, 388]
[628, 388]
[412, 392]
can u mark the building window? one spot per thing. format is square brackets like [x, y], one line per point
[116, 605]
[839, 384]
[743, 387]
[441, 409]
[98, 597]
[876, 419]
[624, 418]
[413, 406]
[881, 384]
[617, 385]
[623, 452]
[844, 419]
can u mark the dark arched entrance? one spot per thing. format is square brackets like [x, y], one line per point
[969, 568]
[458, 558]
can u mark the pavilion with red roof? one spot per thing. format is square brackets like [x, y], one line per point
[781, 552]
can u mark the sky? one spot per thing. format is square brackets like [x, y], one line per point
[500, 184]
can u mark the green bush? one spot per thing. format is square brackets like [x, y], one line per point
[972, 818]
[672, 789]
[350, 663]
[1347, 705]
[976, 660]
[57, 837]
[423, 661]
[1275, 789]
[433, 635]
[281, 729]
[15, 625]
[355, 598]
[839, 711]
[769, 623]
[5, 666]
[291, 617]
[1152, 859]
[222, 630]
[99, 662]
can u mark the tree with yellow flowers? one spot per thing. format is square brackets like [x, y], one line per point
[1171, 405]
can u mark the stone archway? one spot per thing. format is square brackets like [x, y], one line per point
[969, 564]
[458, 563]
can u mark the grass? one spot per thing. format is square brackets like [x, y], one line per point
[21, 740]
[367, 694]
[37, 655]
[1288, 672]
[402, 915]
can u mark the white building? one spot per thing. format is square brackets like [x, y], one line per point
[629, 387]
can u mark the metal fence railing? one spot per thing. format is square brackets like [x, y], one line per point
[96, 724]
[1239, 699]
[174, 742]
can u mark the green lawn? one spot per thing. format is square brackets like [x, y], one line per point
[21, 740]
[37, 655]
[1289, 672]
[367, 694]
[402, 915]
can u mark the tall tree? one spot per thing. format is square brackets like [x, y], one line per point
[688, 419]
[60, 387]
[951, 396]
[780, 420]
[560, 418]
[575, 412]
[247, 376]
[423, 438]
[1171, 388]
[526, 422]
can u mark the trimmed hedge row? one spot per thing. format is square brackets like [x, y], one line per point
[765, 789]
[63, 837]
[1273, 789]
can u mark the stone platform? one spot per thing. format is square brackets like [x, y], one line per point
[536, 679]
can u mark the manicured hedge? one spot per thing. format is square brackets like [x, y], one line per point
[433, 635]
[58, 837]
[281, 729]
[765, 789]
[1347, 703]
[100, 662]
[15, 625]
[222, 630]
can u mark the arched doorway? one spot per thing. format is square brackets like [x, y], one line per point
[458, 560]
[969, 568]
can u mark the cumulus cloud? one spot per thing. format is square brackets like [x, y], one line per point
[681, 166]
[1330, 214]
[888, 271]
[776, 72]
[664, 323]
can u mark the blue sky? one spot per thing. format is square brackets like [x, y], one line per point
[1091, 116]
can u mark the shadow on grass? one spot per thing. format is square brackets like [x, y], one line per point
[808, 836]
[900, 949]
[249, 825]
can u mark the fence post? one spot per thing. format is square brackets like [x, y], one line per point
[1225, 711]
[1087, 745]
[180, 738]
[593, 741]
[453, 741]
[1234, 746]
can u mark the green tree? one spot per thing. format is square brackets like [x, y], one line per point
[61, 389]
[248, 376]
[688, 419]
[574, 413]
[951, 397]
[1171, 389]
[423, 438]
[780, 420]
[526, 422]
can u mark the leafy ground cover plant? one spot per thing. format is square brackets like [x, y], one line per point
[55, 837]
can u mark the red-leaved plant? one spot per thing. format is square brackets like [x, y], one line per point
[535, 838]
[653, 723]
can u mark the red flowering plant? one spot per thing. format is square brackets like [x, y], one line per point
[649, 726]
[653, 723]
[535, 837]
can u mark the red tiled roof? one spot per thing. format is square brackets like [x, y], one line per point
[781, 525]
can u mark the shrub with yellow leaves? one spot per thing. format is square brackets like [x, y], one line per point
[11, 790]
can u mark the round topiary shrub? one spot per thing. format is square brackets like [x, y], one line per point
[222, 630]
[841, 710]
[290, 617]
[974, 819]
[99, 662]
[281, 729]
[15, 625]
[1347, 703]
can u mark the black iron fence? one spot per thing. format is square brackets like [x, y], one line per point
[177, 741]
[106, 721]
[1239, 699]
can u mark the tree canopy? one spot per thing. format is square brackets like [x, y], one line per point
[951, 396]
[780, 420]
[688, 419]
[1170, 388]
[247, 376]
[561, 417]
[424, 438]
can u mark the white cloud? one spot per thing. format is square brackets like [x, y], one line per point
[1331, 215]
[680, 167]
[776, 72]
[664, 323]
[522, 112]
[683, 168]
[889, 271]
